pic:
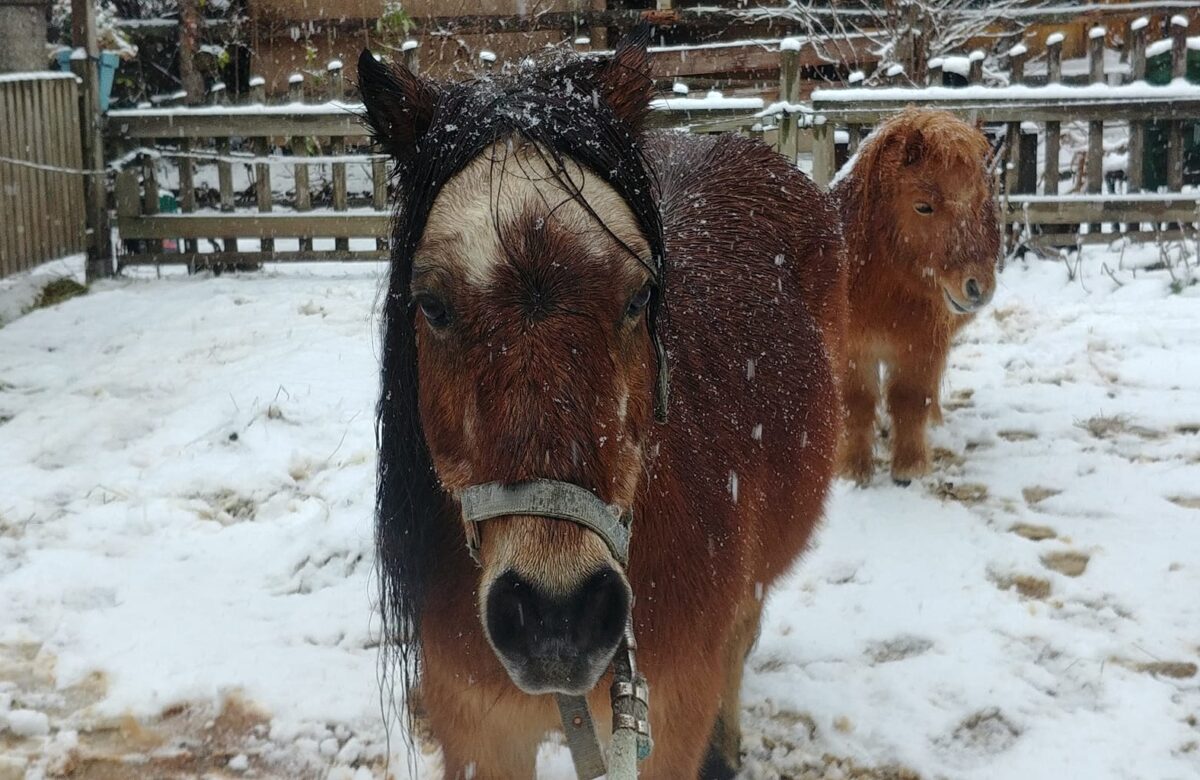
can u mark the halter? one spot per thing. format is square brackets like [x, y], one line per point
[556, 500]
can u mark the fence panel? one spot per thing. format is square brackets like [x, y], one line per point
[41, 190]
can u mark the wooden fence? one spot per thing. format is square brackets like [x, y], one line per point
[310, 189]
[41, 193]
[1031, 119]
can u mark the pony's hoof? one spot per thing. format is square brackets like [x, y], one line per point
[901, 482]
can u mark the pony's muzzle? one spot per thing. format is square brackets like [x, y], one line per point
[557, 642]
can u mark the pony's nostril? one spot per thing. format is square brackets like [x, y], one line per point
[599, 611]
[971, 288]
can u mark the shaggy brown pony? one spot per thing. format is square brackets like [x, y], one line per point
[543, 247]
[922, 237]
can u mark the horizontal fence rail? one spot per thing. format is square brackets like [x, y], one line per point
[41, 189]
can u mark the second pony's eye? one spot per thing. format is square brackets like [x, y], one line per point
[639, 301]
[435, 310]
[923, 208]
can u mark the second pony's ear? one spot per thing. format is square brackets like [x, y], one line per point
[625, 81]
[399, 104]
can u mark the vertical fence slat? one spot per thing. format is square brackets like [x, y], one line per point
[1175, 128]
[1095, 149]
[75, 156]
[262, 186]
[337, 147]
[1016, 58]
[379, 194]
[789, 92]
[150, 196]
[1137, 128]
[8, 187]
[299, 144]
[225, 184]
[39, 196]
[824, 151]
[24, 148]
[57, 120]
[187, 187]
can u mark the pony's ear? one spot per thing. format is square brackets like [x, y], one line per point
[399, 104]
[625, 80]
[914, 148]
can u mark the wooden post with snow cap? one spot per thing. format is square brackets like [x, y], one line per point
[894, 76]
[87, 67]
[150, 197]
[379, 173]
[302, 200]
[337, 147]
[824, 152]
[1054, 42]
[976, 59]
[789, 94]
[933, 72]
[216, 96]
[1016, 62]
[1095, 148]
[262, 171]
[410, 53]
[855, 131]
[488, 59]
[1137, 128]
[1179, 26]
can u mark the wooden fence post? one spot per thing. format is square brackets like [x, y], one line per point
[976, 59]
[789, 93]
[1179, 26]
[1095, 149]
[1137, 128]
[262, 171]
[934, 72]
[83, 36]
[1016, 60]
[1054, 43]
[337, 147]
[410, 51]
[824, 151]
[302, 199]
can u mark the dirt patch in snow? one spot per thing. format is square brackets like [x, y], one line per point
[1068, 562]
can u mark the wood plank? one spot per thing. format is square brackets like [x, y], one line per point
[262, 186]
[225, 183]
[1137, 128]
[8, 184]
[999, 109]
[272, 121]
[1037, 210]
[337, 146]
[1051, 239]
[274, 225]
[81, 184]
[379, 194]
[823, 155]
[201, 260]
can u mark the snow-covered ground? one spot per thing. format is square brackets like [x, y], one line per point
[186, 477]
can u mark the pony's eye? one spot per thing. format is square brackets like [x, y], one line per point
[923, 208]
[434, 309]
[639, 300]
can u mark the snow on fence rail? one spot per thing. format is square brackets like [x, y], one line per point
[1033, 114]
[41, 198]
[346, 215]
[265, 205]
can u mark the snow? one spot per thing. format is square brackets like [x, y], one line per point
[1140, 23]
[35, 75]
[257, 81]
[409, 45]
[1097, 32]
[1166, 44]
[1179, 20]
[1090, 92]
[790, 44]
[894, 70]
[583, 41]
[679, 88]
[189, 472]
[957, 64]
[334, 65]
[857, 76]
[296, 78]
[1019, 50]
[1054, 39]
[977, 56]
[487, 56]
[712, 101]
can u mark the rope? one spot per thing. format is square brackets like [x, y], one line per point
[54, 168]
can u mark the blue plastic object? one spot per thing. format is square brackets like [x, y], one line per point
[108, 72]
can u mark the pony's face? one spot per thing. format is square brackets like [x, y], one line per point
[530, 289]
[944, 212]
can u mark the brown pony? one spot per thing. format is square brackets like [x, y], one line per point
[543, 247]
[922, 237]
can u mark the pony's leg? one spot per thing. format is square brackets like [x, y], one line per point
[861, 394]
[911, 393]
[725, 747]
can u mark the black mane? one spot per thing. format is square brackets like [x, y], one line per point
[561, 107]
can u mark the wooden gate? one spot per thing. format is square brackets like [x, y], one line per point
[41, 190]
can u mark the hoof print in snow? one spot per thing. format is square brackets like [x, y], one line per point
[1187, 502]
[962, 492]
[1038, 493]
[986, 731]
[959, 399]
[946, 459]
[1188, 429]
[1027, 585]
[1106, 427]
[898, 649]
[1012, 435]
[1034, 533]
[226, 507]
[1067, 562]
[1176, 670]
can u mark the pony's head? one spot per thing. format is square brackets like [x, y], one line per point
[519, 344]
[931, 174]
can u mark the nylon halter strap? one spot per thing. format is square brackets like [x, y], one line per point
[546, 498]
[566, 501]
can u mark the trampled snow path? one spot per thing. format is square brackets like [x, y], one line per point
[186, 471]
